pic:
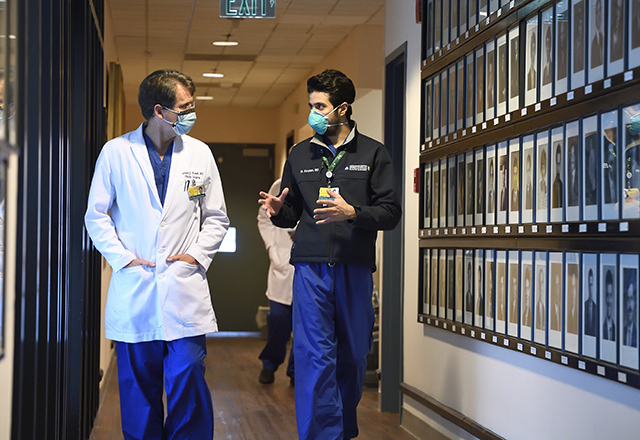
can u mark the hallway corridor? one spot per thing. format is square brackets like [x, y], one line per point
[245, 409]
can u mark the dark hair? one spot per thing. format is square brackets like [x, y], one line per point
[160, 88]
[336, 84]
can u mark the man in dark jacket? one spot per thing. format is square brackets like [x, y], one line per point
[339, 185]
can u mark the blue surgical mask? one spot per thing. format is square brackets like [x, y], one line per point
[320, 122]
[185, 121]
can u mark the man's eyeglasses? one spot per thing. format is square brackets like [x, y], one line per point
[185, 109]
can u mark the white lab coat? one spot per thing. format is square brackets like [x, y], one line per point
[278, 243]
[126, 220]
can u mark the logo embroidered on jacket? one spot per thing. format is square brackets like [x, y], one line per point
[357, 168]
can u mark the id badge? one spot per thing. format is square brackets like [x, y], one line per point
[196, 192]
[324, 193]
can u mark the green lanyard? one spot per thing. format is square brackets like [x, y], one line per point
[332, 166]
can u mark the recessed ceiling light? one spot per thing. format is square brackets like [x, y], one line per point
[225, 43]
[204, 98]
[213, 75]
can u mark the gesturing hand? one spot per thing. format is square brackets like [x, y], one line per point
[272, 204]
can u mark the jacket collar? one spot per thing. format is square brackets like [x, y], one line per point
[319, 139]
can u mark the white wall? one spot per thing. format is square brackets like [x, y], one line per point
[513, 394]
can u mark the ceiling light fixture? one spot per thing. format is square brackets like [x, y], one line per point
[225, 43]
[204, 98]
[213, 75]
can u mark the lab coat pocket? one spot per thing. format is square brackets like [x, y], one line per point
[130, 304]
[188, 293]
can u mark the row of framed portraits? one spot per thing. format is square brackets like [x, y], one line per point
[583, 170]
[582, 303]
[566, 46]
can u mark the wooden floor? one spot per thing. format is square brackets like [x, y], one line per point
[244, 409]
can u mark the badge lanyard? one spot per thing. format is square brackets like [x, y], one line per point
[333, 165]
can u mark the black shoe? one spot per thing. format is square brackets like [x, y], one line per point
[266, 377]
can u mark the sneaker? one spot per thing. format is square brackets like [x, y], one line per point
[266, 376]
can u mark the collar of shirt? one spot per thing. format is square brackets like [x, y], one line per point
[160, 167]
[324, 141]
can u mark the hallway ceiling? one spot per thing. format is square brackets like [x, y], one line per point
[273, 55]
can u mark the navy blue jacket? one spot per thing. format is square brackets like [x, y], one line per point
[364, 176]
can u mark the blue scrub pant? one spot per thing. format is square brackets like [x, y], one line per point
[332, 326]
[279, 325]
[141, 369]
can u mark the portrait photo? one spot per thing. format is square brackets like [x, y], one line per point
[459, 287]
[445, 23]
[527, 178]
[480, 85]
[436, 196]
[436, 107]
[578, 46]
[629, 313]
[609, 308]
[451, 283]
[527, 296]
[489, 289]
[444, 85]
[426, 287]
[572, 170]
[501, 77]
[596, 46]
[469, 193]
[451, 185]
[562, 47]
[513, 292]
[503, 190]
[468, 286]
[443, 193]
[546, 54]
[542, 194]
[460, 97]
[434, 282]
[452, 99]
[491, 184]
[634, 34]
[572, 302]
[514, 69]
[610, 153]
[617, 14]
[531, 62]
[460, 185]
[470, 91]
[479, 220]
[501, 292]
[478, 319]
[426, 196]
[557, 192]
[491, 78]
[591, 171]
[590, 304]
[555, 312]
[428, 131]
[514, 202]
[540, 300]
[442, 288]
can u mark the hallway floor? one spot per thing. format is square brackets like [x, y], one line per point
[246, 410]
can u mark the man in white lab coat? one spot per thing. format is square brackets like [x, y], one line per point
[278, 243]
[156, 212]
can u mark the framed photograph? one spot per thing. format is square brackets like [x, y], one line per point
[480, 85]
[428, 23]
[453, 81]
[572, 301]
[578, 46]
[464, 13]
[470, 91]
[501, 291]
[501, 75]
[460, 96]
[596, 40]
[435, 198]
[478, 317]
[526, 315]
[469, 194]
[442, 288]
[540, 298]
[528, 182]
[513, 293]
[446, 19]
[572, 172]
[629, 314]
[590, 305]
[503, 180]
[555, 312]
[433, 310]
[634, 34]
[490, 159]
[546, 54]
[483, 10]
[562, 48]
[437, 25]
[479, 154]
[451, 286]
[542, 162]
[443, 193]
[444, 86]
[494, 5]
[609, 307]
[514, 180]
[460, 186]
[436, 107]
[452, 203]
[468, 287]
[610, 166]
[428, 112]
[490, 54]
[557, 173]
[489, 289]
[531, 62]
[426, 287]
[473, 13]
[615, 54]
[591, 169]
[454, 20]
[631, 145]
[426, 195]
[514, 69]
[458, 286]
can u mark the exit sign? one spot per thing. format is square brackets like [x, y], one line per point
[248, 8]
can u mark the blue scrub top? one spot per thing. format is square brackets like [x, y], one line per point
[160, 167]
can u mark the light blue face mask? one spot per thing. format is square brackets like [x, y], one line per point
[320, 122]
[185, 121]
